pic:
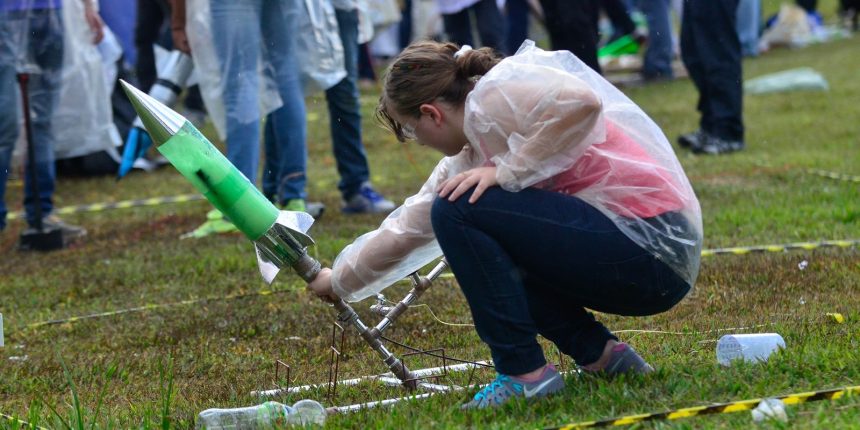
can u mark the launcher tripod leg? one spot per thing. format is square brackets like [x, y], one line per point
[373, 335]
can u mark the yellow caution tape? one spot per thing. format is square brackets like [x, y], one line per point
[719, 408]
[834, 175]
[125, 204]
[819, 172]
[741, 250]
[20, 422]
[705, 253]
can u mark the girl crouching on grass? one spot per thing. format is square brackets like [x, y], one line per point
[557, 194]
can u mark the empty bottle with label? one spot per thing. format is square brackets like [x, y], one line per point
[264, 416]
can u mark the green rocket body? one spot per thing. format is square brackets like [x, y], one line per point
[278, 236]
[219, 181]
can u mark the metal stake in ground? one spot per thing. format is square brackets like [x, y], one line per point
[36, 238]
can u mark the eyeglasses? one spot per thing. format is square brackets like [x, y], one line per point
[408, 130]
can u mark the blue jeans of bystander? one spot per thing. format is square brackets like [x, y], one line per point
[658, 57]
[242, 30]
[27, 39]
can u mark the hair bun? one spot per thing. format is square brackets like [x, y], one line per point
[475, 62]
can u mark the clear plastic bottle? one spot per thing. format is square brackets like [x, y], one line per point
[748, 347]
[264, 416]
[307, 412]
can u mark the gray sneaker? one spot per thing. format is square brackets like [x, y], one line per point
[623, 359]
[504, 388]
[367, 201]
[70, 231]
[713, 145]
[690, 140]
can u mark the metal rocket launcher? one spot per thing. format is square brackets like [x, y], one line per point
[279, 236]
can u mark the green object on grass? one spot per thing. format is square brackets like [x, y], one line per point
[219, 181]
[621, 46]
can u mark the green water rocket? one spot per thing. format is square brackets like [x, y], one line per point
[279, 237]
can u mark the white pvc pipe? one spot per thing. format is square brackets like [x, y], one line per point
[385, 378]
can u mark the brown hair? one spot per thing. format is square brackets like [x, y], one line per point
[425, 71]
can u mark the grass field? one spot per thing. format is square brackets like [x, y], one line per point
[160, 367]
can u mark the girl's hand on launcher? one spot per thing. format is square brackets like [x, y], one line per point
[481, 178]
[321, 286]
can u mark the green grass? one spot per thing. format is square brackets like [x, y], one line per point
[159, 368]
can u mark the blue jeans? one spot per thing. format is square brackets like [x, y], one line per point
[749, 17]
[241, 29]
[344, 124]
[30, 37]
[658, 57]
[531, 262]
[345, 112]
[517, 12]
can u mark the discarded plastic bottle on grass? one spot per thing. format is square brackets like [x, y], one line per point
[264, 416]
[748, 347]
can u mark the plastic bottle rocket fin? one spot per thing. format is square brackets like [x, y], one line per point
[287, 236]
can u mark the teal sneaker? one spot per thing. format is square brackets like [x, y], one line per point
[505, 387]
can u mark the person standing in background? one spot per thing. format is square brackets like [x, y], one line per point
[572, 26]
[657, 63]
[31, 38]
[456, 16]
[749, 26]
[345, 127]
[245, 32]
[711, 51]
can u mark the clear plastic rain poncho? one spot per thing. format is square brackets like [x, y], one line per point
[80, 111]
[83, 120]
[318, 49]
[207, 65]
[546, 120]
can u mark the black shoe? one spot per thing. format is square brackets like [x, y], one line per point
[712, 145]
[690, 140]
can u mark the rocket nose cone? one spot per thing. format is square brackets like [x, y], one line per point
[159, 120]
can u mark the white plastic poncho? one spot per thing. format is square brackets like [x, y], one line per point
[82, 119]
[545, 119]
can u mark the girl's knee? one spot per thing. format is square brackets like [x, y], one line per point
[441, 210]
